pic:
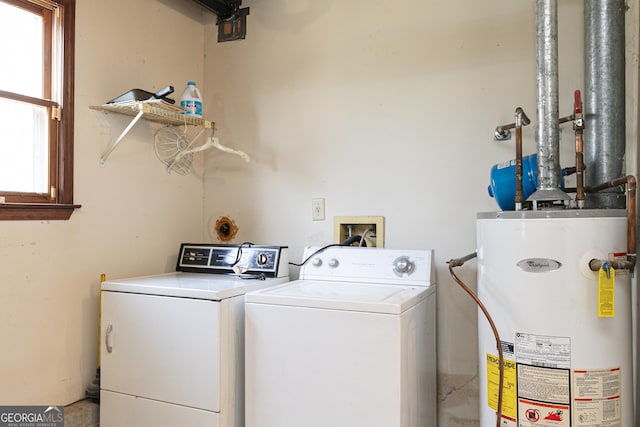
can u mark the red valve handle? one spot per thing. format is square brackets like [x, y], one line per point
[577, 103]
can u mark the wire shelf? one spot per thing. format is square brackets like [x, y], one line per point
[154, 111]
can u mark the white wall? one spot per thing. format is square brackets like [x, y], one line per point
[133, 215]
[382, 108]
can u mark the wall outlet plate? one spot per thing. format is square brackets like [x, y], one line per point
[317, 209]
[371, 227]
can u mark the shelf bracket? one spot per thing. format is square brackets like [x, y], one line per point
[115, 143]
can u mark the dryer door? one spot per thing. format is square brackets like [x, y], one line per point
[161, 348]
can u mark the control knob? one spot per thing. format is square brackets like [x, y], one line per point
[262, 259]
[403, 265]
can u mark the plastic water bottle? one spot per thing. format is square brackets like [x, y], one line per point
[191, 101]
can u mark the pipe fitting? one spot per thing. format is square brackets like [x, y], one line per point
[457, 262]
[502, 134]
[521, 118]
[627, 264]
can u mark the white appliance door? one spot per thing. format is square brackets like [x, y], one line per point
[161, 348]
[122, 410]
[308, 367]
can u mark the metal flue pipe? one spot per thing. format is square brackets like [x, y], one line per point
[604, 100]
[547, 127]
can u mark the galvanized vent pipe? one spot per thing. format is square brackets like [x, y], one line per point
[604, 94]
[547, 127]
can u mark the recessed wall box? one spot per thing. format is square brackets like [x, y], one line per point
[359, 230]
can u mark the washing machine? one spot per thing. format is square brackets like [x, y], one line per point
[172, 345]
[352, 343]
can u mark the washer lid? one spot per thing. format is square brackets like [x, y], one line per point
[350, 296]
[214, 287]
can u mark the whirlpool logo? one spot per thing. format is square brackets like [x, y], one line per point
[31, 416]
[539, 265]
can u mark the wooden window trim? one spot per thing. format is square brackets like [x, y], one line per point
[36, 211]
[62, 206]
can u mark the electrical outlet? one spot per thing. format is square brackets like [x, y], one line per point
[317, 209]
[368, 229]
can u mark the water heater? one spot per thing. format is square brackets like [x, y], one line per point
[566, 331]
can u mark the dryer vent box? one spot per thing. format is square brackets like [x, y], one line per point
[356, 229]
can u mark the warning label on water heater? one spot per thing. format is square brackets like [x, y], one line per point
[540, 414]
[551, 393]
[597, 397]
[544, 396]
[544, 384]
[544, 380]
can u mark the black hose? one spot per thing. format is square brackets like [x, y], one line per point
[351, 240]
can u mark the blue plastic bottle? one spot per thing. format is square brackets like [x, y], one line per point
[191, 101]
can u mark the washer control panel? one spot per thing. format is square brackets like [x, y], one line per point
[346, 263]
[272, 261]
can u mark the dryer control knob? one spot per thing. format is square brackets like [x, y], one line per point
[403, 265]
[262, 259]
[317, 262]
[333, 263]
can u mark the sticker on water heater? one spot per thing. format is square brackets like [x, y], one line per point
[509, 390]
[507, 348]
[539, 265]
[543, 350]
[543, 384]
[541, 414]
[597, 397]
[544, 396]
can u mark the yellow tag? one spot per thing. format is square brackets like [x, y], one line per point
[606, 282]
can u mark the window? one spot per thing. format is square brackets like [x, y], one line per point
[36, 109]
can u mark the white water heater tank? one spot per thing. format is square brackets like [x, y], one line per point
[565, 364]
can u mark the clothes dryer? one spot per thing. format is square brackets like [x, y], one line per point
[172, 348]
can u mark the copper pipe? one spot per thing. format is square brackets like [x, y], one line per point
[578, 127]
[519, 192]
[521, 118]
[631, 218]
[630, 182]
[610, 184]
[580, 168]
[457, 263]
